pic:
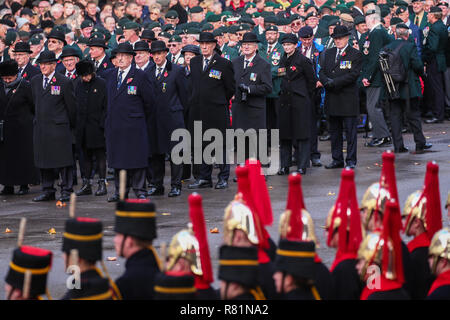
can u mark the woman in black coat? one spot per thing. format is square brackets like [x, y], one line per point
[298, 83]
[16, 131]
[90, 91]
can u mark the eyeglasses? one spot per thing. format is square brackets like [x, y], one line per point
[172, 45]
[154, 13]
[53, 41]
[296, 24]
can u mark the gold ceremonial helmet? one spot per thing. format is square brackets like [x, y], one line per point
[185, 245]
[308, 233]
[440, 247]
[374, 198]
[238, 216]
[337, 221]
[415, 207]
[371, 251]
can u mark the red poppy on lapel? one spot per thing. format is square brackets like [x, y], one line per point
[316, 54]
[73, 76]
[59, 61]
[250, 64]
[165, 74]
[343, 54]
[53, 79]
[293, 68]
[105, 65]
[129, 80]
[24, 75]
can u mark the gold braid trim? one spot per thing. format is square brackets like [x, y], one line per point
[315, 293]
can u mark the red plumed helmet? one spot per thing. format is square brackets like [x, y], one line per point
[346, 217]
[387, 178]
[199, 228]
[295, 204]
[431, 192]
[392, 262]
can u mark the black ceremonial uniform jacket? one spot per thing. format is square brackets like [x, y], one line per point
[347, 283]
[29, 72]
[258, 77]
[138, 280]
[93, 287]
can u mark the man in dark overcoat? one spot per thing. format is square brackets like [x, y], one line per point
[213, 85]
[22, 53]
[253, 83]
[55, 112]
[16, 130]
[130, 100]
[340, 70]
[170, 100]
[297, 88]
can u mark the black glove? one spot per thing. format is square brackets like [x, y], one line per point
[329, 84]
[243, 87]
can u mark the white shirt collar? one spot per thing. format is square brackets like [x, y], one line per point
[50, 77]
[72, 72]
[125, 72]
[101, 59]
[144, 66]
[251, 59]
[342, 50]
[357, 8]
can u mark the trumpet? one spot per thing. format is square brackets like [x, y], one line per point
[390, 85]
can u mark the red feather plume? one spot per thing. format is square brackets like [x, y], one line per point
[199, 228]
[295, 204]
[431, 192]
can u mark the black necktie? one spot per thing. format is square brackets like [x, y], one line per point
[246, 64]
[206, 64]
[45, 82]
[338, 56]
[159, 72]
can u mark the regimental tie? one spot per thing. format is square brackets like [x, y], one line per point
[246, 64]
[158, 75]
[173, 59]
[69, 74]
[45, 82]
[20, 71]
[205, 66]
[270, 48]
[119, 80]
[338, 56]
[97, 64]
[416, 22]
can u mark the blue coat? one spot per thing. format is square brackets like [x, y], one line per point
[171, 98]
[417, 37]
[128, 110]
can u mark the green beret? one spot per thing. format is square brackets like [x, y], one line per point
[87, 23]
[359, 19]
[171, 14]
[218, 33]
[311, 14]
[193, 31]
[267, 14]
[294, 4]
[272, 28]
[250, 4]
[154, 25]
[350, 4]
[233, 29]
[244, 27]
[165, 35]
[196, 9]
[10, 37]
[269, 4]
[175, 38]
[207, 27]
[97, 35]
[131, 26]
[256, 14]
[366, 2]
[271, 19]
[283, 22]
[401, 3]
[34, 40]
[83, 40]
[167, 27]
[213, 18]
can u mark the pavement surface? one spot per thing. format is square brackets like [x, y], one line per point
[320, 190]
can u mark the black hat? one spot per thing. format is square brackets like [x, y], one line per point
[46, 56]
[47, 24]
[85, 235]
[27, 11]
[9, 68]
[87, 23]
[136, 218]
[55, 34]
[125, 47]
[113, 53]
[289, 38]
[171, 286]
[191, 48]
[206, 37]
[306, 32]
[340, 31]
[7, 22]
[239, 264]
[366, 2]
[141, 46]
[36, 260]
[167, 27]
[395, 21]
[97, 42]
[148, 35]
[296, 258]
[401, 26]
[85, 67]
[249, 37]
[69, 51]
[22, 47]
[158, 46]
[372, 11]
[435, 10]
[171, 14]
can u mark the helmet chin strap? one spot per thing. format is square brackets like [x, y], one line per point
[122, 245]
[282, 282]
[226, 291]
